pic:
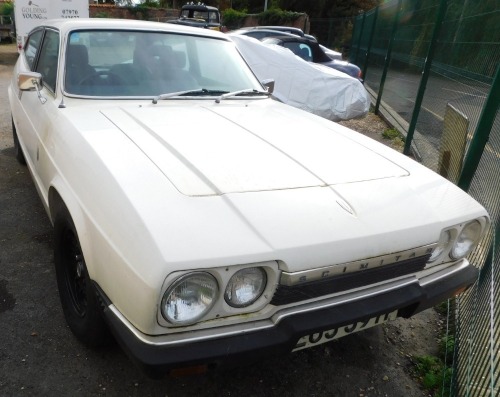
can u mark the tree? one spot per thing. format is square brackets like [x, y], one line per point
[7, 9]
[328, 8]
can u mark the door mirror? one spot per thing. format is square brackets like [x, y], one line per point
[29, 81]
[268, 84]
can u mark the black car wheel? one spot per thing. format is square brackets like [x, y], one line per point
[79, 300]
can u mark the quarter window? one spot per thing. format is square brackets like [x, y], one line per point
[31, 47]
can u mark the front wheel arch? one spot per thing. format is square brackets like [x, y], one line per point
[81, 305]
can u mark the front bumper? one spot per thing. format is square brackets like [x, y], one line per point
[157, 359]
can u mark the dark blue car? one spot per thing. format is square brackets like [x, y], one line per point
[310, 51]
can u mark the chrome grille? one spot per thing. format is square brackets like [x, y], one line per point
[290, 294]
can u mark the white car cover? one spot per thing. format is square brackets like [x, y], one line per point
[312, 87]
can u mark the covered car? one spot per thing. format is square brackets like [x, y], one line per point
[315, 88]
[206, 224]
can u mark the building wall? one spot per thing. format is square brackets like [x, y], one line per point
[110, 11]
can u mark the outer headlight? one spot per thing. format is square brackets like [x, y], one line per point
[466, 240]
[245, 287]
[442, 245]
[189, 298]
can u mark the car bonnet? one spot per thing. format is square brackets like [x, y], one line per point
[213, 149]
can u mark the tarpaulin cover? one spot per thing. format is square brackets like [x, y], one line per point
[312, 87]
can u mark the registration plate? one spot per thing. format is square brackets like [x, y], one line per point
[327, 336]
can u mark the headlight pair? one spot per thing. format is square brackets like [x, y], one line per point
[193, 295]
[459, 242]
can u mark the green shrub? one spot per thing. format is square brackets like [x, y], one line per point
[436, 378]
[276, 16]
[102, 14]
[446, 348]
[233, 19]
[391, 133]
[7, 9]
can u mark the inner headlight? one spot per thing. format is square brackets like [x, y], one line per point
[189, 298]
[245, 287]
[442, 245]
[466, 240]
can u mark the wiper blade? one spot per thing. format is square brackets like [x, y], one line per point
[201, 91]
[247, 92]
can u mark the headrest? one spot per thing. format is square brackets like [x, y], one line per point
[77, 55]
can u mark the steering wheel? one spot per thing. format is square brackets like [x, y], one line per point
[101, 78]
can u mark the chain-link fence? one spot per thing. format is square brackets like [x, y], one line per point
[432, 69]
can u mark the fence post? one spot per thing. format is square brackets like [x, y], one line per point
[360, 37]
[481, 134]
[372, 33]
[388, 55]
[425, 75]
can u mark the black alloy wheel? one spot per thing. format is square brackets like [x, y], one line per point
[79, 300]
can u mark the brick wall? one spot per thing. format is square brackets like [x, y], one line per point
[163, 14]
[150, 14]
[302, 22]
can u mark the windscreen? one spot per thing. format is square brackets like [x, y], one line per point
[137, 64]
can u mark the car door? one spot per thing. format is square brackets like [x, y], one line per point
[40, 115]
[25, 127]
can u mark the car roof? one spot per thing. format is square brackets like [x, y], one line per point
[246, 31]
[287, 29]
[279, 29]
[272, 33]
[318, 54]
[199, 7]
[66, 25]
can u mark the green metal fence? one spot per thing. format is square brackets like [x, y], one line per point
[432, 68]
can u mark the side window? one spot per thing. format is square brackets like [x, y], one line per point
[258, 35]
[213, 16]
[47, 61]
[299, 49]
[31, 47]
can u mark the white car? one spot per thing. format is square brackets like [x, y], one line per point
[203, 222]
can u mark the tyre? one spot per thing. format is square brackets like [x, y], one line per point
[18, 152]
[79, 300]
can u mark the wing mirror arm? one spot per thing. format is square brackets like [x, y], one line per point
[31, 81]
[268, 85]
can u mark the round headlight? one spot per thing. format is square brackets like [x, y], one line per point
[443, 243]
[467, 239]
[245, 287]
[189, 298]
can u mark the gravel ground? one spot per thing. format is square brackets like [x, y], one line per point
[39, 356]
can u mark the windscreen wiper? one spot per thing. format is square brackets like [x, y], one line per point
[199, 92]
[247, 92]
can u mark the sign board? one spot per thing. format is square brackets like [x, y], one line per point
[453, 143]
[30, 13]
